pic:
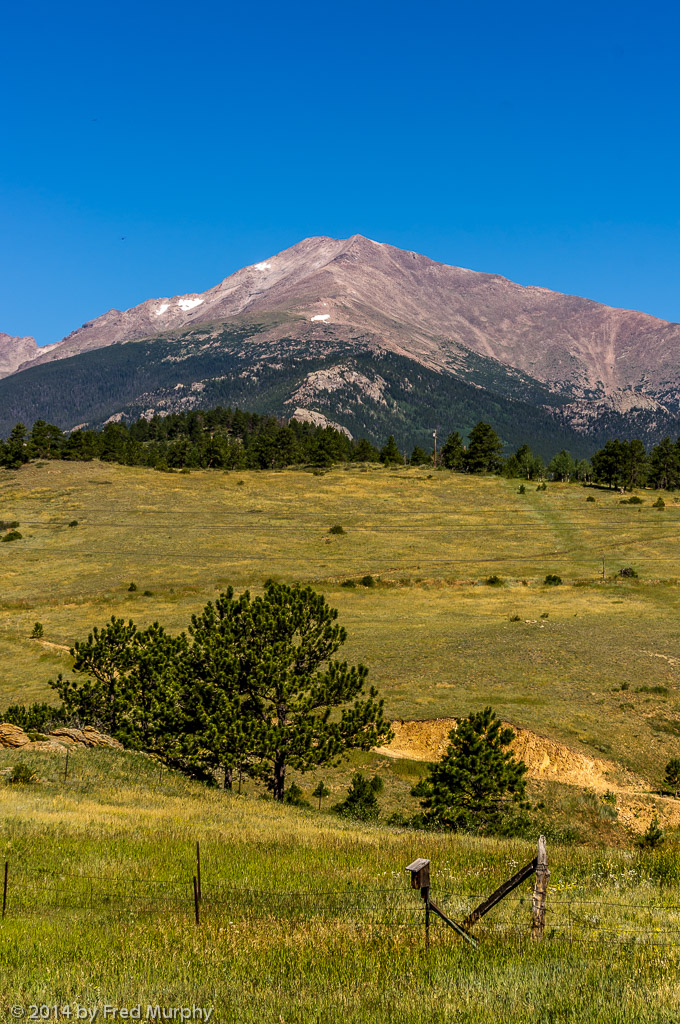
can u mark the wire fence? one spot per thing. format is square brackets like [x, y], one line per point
[572, 919]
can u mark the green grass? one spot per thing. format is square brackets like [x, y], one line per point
[306, 917]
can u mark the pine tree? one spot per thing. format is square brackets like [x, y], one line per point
[484, 449]
[321, 792]
[453, 452]
[361, 801]
[390, 454]
[477, 782]
[419, 457]
[275, 655]
[673, 774]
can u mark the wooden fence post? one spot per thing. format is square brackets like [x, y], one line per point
[540, 891]
[198, 870]
[4, 889]
[196, 900]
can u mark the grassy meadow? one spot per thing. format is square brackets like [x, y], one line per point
[592, 663]
[306, 918]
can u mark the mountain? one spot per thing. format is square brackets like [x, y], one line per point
[15, 351]
[326, 317]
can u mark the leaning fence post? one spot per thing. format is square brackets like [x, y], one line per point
[4, 889]
[198, 870]
[540, 891]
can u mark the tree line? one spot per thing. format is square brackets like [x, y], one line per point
[232, 439]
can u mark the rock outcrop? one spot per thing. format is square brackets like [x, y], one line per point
[14, 737]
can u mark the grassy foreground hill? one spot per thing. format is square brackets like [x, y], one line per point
[305, 918]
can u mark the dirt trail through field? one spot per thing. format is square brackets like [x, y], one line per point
[545, 759]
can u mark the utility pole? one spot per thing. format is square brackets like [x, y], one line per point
[603, 572]
[435, 449]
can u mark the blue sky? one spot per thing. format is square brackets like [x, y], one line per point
[538, 141]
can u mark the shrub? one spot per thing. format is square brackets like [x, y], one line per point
[9, 524]
[37, 631]
[628, 573]
[544, 615]
[348, 583]
[634, 500]
[367, 581]
[552, 580]
[132, 588]
[590, 498]
[659, 503]
[653, 838]
[361, 801]
[542, 487]
[38, 716]
[652, 689]
[148, 593]
[294, 796]
[515, 618]
[240, 483]
[12, 535]
[74, 522]
[336, 529]
[493, 581]
[608, 798]
[22, 774]
[522, 489]
[672, 777]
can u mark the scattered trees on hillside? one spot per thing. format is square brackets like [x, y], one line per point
[253, 685]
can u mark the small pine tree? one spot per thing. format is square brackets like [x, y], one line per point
[419, 457]
[37, 631]
[321, 792]
[361, 801]
[453, 452]
[477, 781]
[653, 838]
[390, 454]
[673, 774]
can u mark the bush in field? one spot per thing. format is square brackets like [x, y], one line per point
[22, 774]
[653, 838]
[361, 802]
[336, 529]
[552, 580]
[12, 535]
[494, 581]
[672, 777]
[294, 796]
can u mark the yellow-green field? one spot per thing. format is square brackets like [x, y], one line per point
[306, 918]
[438, 641]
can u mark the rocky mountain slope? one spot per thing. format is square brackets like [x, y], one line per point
[16, 351]
[329, 302]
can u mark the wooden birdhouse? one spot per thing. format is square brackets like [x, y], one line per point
[420, 873]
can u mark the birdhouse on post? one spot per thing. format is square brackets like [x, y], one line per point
[420, 875]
